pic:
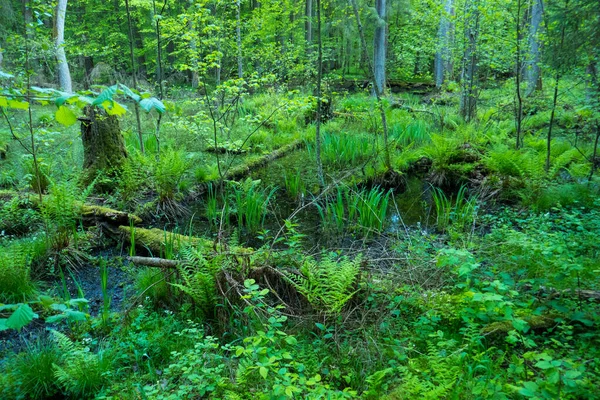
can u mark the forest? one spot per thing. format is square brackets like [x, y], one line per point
[311, 199]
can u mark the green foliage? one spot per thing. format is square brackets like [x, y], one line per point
[345, 149]
[329, 283]
[151, 283]
[30, 373]
[199, 277]
[294, 185]
[459, 212]
[169, 174]
[15, 269]
[251, 203]
[370, 206]
[80, 373]
[17, 217]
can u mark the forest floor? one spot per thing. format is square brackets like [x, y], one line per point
[473, 275]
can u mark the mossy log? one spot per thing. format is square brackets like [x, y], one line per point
[153, 262]
[155, 240]
[242, 170]
[98, 214]
[535, 322]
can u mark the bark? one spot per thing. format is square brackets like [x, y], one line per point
[64, 75]
[319, 99]
[103, 144]
[443, 56]
[468, 103]
[371, 69]
[519, 108]
[153, 262]
[238, 34]
[308, 24]
[134, 75]
[1, 57]
[380, 45]
[533, 73]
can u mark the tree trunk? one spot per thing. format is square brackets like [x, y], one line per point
[519, 106]
[380, 45]
[134, 76]
[103, 144]
[319, 95]
[308, 25]
[371, 70]
[533, 75]
[1, 58]
[468, 103]
[238, 33]
[443, 56]
[64, 76]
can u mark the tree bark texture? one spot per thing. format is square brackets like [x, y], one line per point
[443, 56]
[468, 103]
[533, 72]
[64, 75]
[103, 144]
[380, 44]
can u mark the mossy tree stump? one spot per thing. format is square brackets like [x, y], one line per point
[103, 146]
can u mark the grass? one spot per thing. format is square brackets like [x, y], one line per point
[251, 202]
[457, 213]
[294, 185]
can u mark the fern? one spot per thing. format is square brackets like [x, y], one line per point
[82, 373]
[198, 277]
[328, 284]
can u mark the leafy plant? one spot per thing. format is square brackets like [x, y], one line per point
[327, 284]
[251, 204]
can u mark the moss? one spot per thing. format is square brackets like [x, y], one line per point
[109, 214]
[155, 239]
[535, 322]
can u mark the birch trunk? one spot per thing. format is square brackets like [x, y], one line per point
[64, 76]
[533, 75]
[443, 56]
[319, 100]
[380, 45]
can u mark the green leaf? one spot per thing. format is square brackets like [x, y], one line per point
[21, 317]
[18, 105]
[263, 372]
[3, 326]
[130, 93]
[106, 95]
[65, 116]
[529, 389]
[153, 103]
[3, 102]
[116, 109]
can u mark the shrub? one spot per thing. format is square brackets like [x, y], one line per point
[17, 217]
[15, 269]
[169, 173]
[151, 283]
[30, 373]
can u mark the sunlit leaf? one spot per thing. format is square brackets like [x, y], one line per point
[21, 317]
[65, 116]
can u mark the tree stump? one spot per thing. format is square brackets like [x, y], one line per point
[103, 146]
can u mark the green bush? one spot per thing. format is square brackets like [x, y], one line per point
[15, 269]
[17, 217]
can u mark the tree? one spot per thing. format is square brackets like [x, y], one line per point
[533, 72]
[376, 90]
[238, 36]
[64, 75]
[134, 74]
[468, 101]
[443, 55]
[319, 97]
[380, 42]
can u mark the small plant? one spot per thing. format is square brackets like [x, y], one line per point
[32, 371]
[15, 269]
[458, 214]
[106, 299]
[251, 204]
[294, 185]
[327, 284]
[333, 213]
[151, 283]
[370, 207]
[81, 373]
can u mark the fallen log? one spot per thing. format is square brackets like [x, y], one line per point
[153, 262]
[242, 170]
[157, 240]
[535, 322]
[91, 214]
